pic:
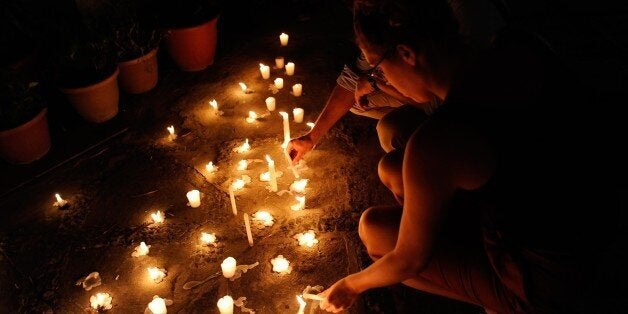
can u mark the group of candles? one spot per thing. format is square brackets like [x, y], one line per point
[158, 305]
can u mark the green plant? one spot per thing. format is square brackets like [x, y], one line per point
[134, 29]
[185, 13]
[20, 100]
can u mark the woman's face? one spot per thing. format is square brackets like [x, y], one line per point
[401, 72]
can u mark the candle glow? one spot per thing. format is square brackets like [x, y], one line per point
[158, 217]
[264, 70]
[307, 238]
[101, 301]
[245, 147]
[194, 198]
[286, 129]
[279, 62]
[242, 165]
[264, 217]
[60, 201]
[228, 267]
[213, 104]
[300, 205]
[283, 39]
[252, 117]
[141, 250]
[281, 265]
[297, 89]
[298, 186]
[171, 134]
[243, 87]
[225, 305]
[278, 83]
[290, 68]
[238, 184]
[157, 306]
[155, 274]
[298, 114]
[264, 176]
[208, 238]
[271, 103]
[210, 167]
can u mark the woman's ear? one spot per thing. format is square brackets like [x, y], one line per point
[407, 54]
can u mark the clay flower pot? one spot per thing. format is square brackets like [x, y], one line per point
[193, 48]
[27, 142]
[98, 102]
[139, 75]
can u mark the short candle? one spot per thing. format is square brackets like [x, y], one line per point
[208, 238]
[290, 68]
[242, 165]
[279, 83]
[245, 147]
[158, 217]
[271, 103]
[264, 217]
[279, 62]
[283, 38]
[300, 205]
[281, 265]
[225, 305]
[101, 301]
[307, 238]
[298, 186]
[60, 201]
[297, 89]
[141, 250]
[210, 167]
[298, 114]
[156, 274]
[157, 306]
[228, 267]
[265, 70]
[194, 198]
[171, 134]
[252, 117]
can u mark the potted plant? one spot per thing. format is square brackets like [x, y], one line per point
[192, 32]
[24, 135]
[136, 40]
[86, 72]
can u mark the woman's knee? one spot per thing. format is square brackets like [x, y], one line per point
[389, 171]
[378, 229]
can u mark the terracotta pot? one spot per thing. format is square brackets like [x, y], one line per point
[27, 142]
[193, 48]
[98, 102]
[139, 75]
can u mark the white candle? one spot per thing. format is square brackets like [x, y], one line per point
[141, 250]
[156, 274]
[238, 184]
[295, 172]
[158, 217]
[225, 305]
[208, 238]
[60, 201]
[283, 38]
[297, 89]
[290, 68]
[307, 238]
[228, 267]
[271, 103]
[234, 208]
[213, 104]
[252, 117]
[265, 70]
[298, 114]
[247, 225]
[281, 265]
[273, 174]
[171, 134]
[210, 167]
[311, 125]
[101, 301]
[301, 203]
[279, 83]
[264, 176]
[194, 198]
[243, 87]
[242, 165]
[286, 129]
[301, 305]
[298, 186]
[157, 306]
[264, 217]
[279, 62]
[245, 147]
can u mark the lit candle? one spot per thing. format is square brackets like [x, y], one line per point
[310, 124]
[157, 306]
[264, 176]
[245, 147]
[252, 117]
[301, 305]
[194, 198]
[101, 301]
[141, 250]
[225, 305]
[286, 129]
[271, 103]
[208, 238]
[156, 274]
[158, 217]
[172, 136]
[283, 38]
[281, 265]
[279, 62]
[264, 217]
[210, 167]
[214, 104]
[307, 238]
[297, 89]
[60, 201]
[273, 174]
[298, 114]
[279, 83]
[298, 186]
[295, 172]
[301, 203]
[228, 267]
[290, 68]
[265, 70]
[247, 225]
[243, 87]
[236, 185]
[242, 165]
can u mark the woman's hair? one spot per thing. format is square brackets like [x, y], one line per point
[427, 26]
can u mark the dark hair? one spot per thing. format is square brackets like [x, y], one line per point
[427, 26]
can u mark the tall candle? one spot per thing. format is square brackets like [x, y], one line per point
[301, 305]
[298, 114]
[157, 306]
[286, 154]
[247, 225]
[101, 301]
[271, 103]
[234, 208]
[171, 134]
[194, 198]
[283, 38]
[228, 267]
[60, 201]
[225, 305]
[279, 62]
[297, 89]
[265, 70]
[290, 68]
[273, 174]
[286, 129]
[279, 83]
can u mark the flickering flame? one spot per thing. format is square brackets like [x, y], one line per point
[60, 201]
[264, 217]
[299, 185]
[210, 167]
[264, 176]
[141, 250]
[101, 301]
[307, 238]
[252, 117]
[156, 274]
[158, 217]
[208, 238]
[245, 147]
[242, 164]
[300, 205]
[243, 86]
[281, 265]
[214, 104]
[237, 184]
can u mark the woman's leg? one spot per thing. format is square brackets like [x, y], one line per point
[389, 171]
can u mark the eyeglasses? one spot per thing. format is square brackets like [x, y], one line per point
[375, 71]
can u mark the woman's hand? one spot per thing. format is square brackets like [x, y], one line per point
[338, 297]
[299, 147]
[362, 89]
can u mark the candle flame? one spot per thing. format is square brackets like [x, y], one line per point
[141, 250]
[252, 117]
[281, 265]
[307, 238]
[210, 167]
[242, 164]
[171, 129]
[58, 197]
[158, 217]
[101, 301]
[237, 184]
[245, 147]
[264, 176]
[156, 274]
[243, 86]
[299, 185]
[300, 205]
[214, 104]
[157, 305]
[264, 217]
[208, 238]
